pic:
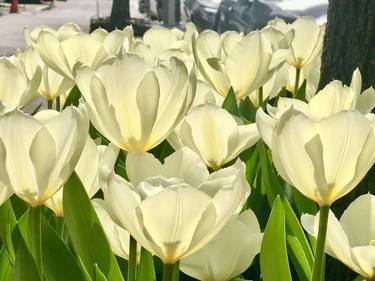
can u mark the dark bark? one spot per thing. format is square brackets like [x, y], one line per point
[349, 43]
[120, 12]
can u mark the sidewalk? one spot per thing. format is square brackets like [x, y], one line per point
[77, 11]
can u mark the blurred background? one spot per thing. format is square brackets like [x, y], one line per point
[220, 15]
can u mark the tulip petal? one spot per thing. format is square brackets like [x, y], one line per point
[357, 220]
[140, 166]
[173, 223]
[265, 125]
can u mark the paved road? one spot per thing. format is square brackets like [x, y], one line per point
[78, 11]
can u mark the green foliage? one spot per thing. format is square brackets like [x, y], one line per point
[73, 97]
[230, 103]
[25, 267]
[86, 232]
[273, 256]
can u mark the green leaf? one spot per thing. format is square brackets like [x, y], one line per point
[58, 262]
[230, 103]
[25, 267]
[7, 225]
[146, 269]
[73, 97]
[273, 254]
[6, 269]
[98, 275]
[86, 232]
[300, 251]
[247, 110]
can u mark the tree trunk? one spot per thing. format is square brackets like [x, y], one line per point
[349, 42]
[120, 12]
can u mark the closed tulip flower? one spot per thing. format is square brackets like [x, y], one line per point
[96, 162]
[240, 63]
[323, 159]
[156, 207]
[351, 239]
[229, 254]
[214, 134]
[39, 152]
[17, 89]
[135, 105]
[87, 49]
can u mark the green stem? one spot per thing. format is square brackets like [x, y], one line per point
[49, 104]
[58, 103]
[296, 83]
[319, 252]
[132, 263]
[171, 272]
[60, 224]
[260, 97]
[35, 230]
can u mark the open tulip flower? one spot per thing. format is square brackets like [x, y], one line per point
[135, 105]
[332, 99]
[305, 40]
[352, 238]
[229, 254]
[323, 159]
[174, 209]
[64, 32]
[232, 61]
[17, 89]
[95, 163]
[90, 50]
[38, 153]
[52, 84]
[213, 133]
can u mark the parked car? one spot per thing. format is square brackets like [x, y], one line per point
[247, 15]
[201, 12]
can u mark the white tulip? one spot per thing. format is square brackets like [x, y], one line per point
[52, 84]
[231, 60]
[117, 236]
[323, 159]
[214, 134]
[134, 105]
[90, 50]
[352, 238]
[39, 152]
[17, 89]
[95, 163]
[64, 32]
[156, 207]
[229, 254]
[332, 99]
[307, 42]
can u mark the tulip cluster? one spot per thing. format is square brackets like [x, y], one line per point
[152, 149]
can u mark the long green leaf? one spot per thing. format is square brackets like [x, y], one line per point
[8, 222]
[58, 262]
[146, 270]
[6, 269]
[273, 254]
[25, 267]
[86, 232]
[98, 275]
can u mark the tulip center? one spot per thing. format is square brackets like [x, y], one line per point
[372, 243]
